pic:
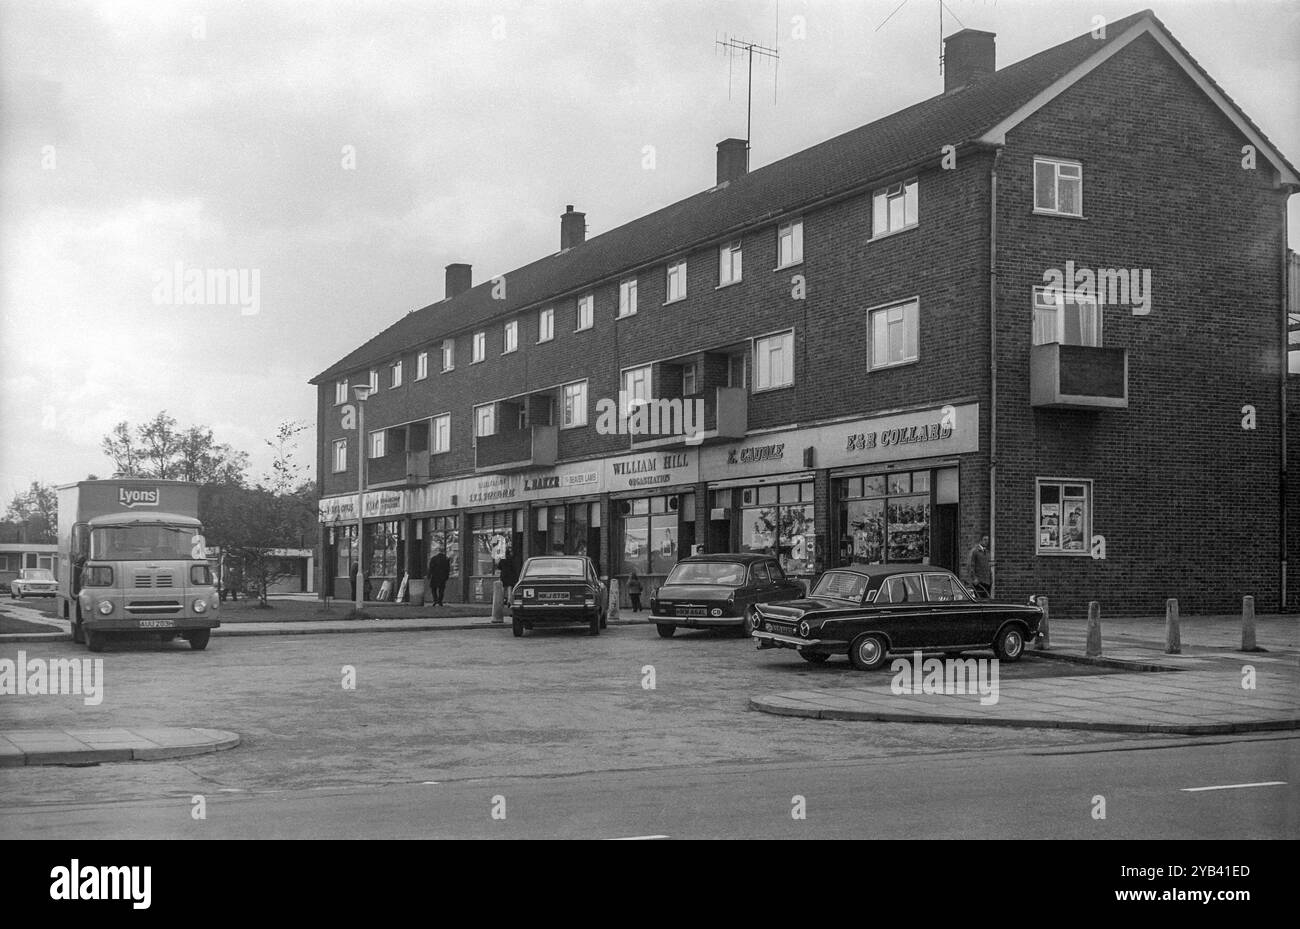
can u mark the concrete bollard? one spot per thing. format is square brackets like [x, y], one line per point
[1094, 630]
[1173, 635]
[613, 599]
[1043, 627]
[1248, 625]
[498, 602]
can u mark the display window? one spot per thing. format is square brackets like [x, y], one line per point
[647, 530]
[885, 518]
[778, 519]
[1064, 513]
[443, 533]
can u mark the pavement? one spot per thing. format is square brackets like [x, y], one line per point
[1210, 688]
[21, 747]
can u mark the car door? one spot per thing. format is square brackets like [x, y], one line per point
[759, 587]
[784, 587]
[904, 613]
[951, 622]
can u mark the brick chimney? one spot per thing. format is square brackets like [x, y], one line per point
[967, 55]
[573, 228]
[733, 159]
[460, 278]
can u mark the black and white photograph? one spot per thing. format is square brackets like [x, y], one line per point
[659, 420]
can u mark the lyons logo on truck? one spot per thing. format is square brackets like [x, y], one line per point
[131, 497]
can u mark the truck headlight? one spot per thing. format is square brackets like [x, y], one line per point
[105, 607]
[200, 605]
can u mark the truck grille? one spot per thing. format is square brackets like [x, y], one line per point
[153, 607]
[153, 580]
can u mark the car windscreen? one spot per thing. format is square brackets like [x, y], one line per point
[141, 542]
[37, 574]
[722, 573]
[841, 585]
[555, 567]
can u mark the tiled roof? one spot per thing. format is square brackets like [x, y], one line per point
[894, 143]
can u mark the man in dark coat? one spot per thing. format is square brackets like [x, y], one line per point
[352, 578]
[509, 574]
[439, 571]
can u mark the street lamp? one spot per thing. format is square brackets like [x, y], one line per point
[361, 393]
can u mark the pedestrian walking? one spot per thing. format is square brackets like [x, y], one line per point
[439, 571]
[981, 569]
[634, 590]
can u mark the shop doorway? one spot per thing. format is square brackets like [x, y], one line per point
[943, 538]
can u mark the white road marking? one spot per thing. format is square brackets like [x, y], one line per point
[423, 783]
[1192, 790]
[637, 838]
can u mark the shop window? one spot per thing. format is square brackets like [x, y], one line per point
[1071, 320]
[493, 540]
[777, 519]
[1064, 511]
[894, 209]
[345, 549]
[647, 530]
[1058, 187]
[382, 543]
[894, 334]
[789, 244]
[885, 518]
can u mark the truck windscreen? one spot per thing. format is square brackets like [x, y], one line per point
[141, 542]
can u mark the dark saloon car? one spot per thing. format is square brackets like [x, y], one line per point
[869, 611]
[559, 589]
[706, 591]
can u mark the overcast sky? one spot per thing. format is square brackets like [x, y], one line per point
[218, 135]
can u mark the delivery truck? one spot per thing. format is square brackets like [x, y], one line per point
[133, 560]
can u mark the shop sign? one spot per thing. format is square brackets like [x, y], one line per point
[750, 454]
[384, 503]
[337, 509]
[651, 470]
[498, 488]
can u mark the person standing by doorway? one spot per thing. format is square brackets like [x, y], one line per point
[439, 571]
[981, 569]
[634, 590]
[509, 575]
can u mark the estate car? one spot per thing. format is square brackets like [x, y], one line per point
[33, 582]
[559, 589]
[708, 591]
[868, 611]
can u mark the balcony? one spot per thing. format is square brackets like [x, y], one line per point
[516, 449]
[725, 417]
[1078, 377]
[418, 470]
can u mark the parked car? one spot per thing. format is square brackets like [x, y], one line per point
[33, 582]
[558, 589]
[869, 611]
[708, 591]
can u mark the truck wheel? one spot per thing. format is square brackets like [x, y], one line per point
[94, 640]
[78, 628]
[198, 639]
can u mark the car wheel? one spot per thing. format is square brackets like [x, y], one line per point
[595, 624]
[94, 640]
[813, 657]
[1010, 644]
[517, 627]
[665, 631]
[747, 624]
[867, 652]
[198, 639]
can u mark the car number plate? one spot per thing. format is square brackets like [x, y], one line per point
[553, 595]
[157, 623]
[692, 611]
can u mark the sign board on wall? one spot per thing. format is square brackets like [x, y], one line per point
[649, 471]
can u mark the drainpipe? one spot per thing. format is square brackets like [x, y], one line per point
[1283, 483]
[993, 364]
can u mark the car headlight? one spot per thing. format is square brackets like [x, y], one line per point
[716, 611]
[200, 605]
[590, 601]
[804, 628]
[105, 607]
[516, 602]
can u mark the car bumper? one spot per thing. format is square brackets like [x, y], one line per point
[776, 640]
[697, 622]
[23, 592]
[566, 613]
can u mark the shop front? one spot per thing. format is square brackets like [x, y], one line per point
[652, 499]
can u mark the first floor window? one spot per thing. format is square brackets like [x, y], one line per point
[729, 263]
[789, 244]
[448, 354]
[738, 370]
[480, 347]
[690, 378]
[1068, 319]
[894, 208]
[574, 410]
[374, 380]
[511, 337]
[774, 361]
[636, 387]
[546, 325]
[627, 297]
[421, 366]
[1064, 514]
[377, 443]
[395, 378]
[340, 455]
[894, 334]
[341, 391]
[441, 434]
[677, 281]
[485, 420]
[586, 312]
[1058, 186]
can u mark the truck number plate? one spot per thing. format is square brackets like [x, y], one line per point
[157, 623]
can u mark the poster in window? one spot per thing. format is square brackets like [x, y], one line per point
[1049, 525]
[1072, 529]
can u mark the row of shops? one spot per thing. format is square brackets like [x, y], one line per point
[883, 489]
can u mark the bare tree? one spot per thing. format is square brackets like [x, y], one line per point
[36, 511]
[159, 449]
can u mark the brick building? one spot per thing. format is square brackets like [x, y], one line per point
[894, 349]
